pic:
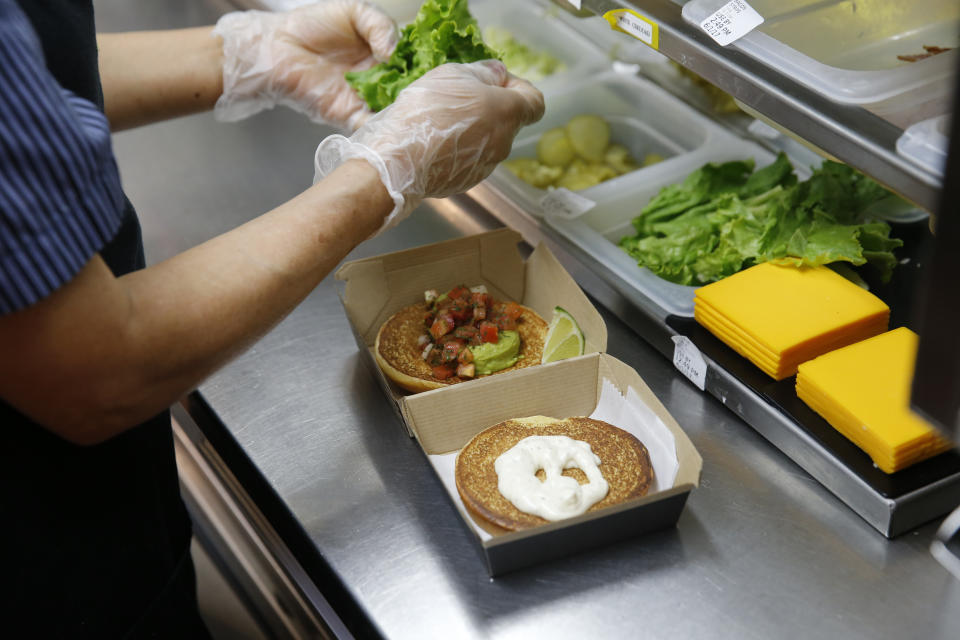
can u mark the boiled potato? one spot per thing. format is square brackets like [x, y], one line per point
[577, 156]
[533, 172]
[619, 159]
[652, 158]
[583, 175]
[590, 136]
[555, 149]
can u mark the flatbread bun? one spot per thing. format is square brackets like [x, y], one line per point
[398, 354]
[624, 463]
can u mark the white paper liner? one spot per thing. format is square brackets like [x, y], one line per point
[630, 413]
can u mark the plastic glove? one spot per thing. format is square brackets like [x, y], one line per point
[445, 133]
[298, 59]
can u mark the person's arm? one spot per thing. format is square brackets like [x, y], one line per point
[102, 353]
[250, 61]
[149, 76]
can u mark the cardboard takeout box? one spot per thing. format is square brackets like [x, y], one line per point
[560, 389]
[378, 287]
[443, 420]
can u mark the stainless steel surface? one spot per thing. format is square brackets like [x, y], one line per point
[946, 545]
[762, 549]
[849, 133]
[244, 546]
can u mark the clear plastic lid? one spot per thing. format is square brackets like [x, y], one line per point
[851, 51]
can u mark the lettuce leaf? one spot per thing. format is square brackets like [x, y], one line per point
[726, 217]
[443, 31]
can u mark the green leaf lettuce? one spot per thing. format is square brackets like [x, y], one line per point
[726, 217]
[443, 31]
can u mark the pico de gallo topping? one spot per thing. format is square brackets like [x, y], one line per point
[461, 318]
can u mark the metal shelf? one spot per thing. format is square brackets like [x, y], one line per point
[850, 134]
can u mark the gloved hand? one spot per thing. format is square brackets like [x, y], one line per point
[445, 133]
[298, 59]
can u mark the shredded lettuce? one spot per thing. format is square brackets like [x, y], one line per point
[443, 31]
[726, 217]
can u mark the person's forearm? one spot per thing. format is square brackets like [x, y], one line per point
[149, 76]
[102, 354]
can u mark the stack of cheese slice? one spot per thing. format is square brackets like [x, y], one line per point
[863, 391]
[779, 316]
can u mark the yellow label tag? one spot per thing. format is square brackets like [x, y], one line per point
[632, 23]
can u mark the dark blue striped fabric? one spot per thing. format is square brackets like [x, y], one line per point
[60, 194]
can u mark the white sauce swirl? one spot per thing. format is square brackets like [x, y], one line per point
[558, 496]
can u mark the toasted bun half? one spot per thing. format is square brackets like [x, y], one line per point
[624, 463]
[398, 354]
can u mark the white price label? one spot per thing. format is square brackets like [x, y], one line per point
[575, 3]
[688, 361]
[564, 203]
[731, 21]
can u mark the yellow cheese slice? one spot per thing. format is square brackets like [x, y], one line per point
[775, 365]
[869, 440]
[807, 351]
[705, 311]
[847, 424]
[863, 390]
[888, 462]
[784, 307]
[747, 350]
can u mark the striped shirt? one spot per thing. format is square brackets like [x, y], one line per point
[60, 194]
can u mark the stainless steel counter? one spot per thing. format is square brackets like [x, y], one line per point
[761, 551]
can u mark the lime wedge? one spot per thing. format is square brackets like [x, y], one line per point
[564, 338]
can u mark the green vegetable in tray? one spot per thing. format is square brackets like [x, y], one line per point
[726, 217]
[577, 156]
[520, 59]
[443, 31]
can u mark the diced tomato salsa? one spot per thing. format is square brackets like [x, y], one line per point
[442, 372]
[458, 320]
[489, 332]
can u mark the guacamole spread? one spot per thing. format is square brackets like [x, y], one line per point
[490, 357]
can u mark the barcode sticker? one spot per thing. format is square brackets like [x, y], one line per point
[731, 22]
[564, 203]
[632, 23]
[688, 361]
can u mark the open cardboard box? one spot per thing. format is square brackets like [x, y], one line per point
[443, 420]
[446, 419]
[378, 287]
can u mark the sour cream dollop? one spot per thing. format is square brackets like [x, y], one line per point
[558, 496]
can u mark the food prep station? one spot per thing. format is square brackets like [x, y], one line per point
[329, 515]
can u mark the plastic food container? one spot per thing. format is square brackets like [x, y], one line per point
[925, 143]
[847, 50]
[536, 26]
[642, 116]
[598, 231]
